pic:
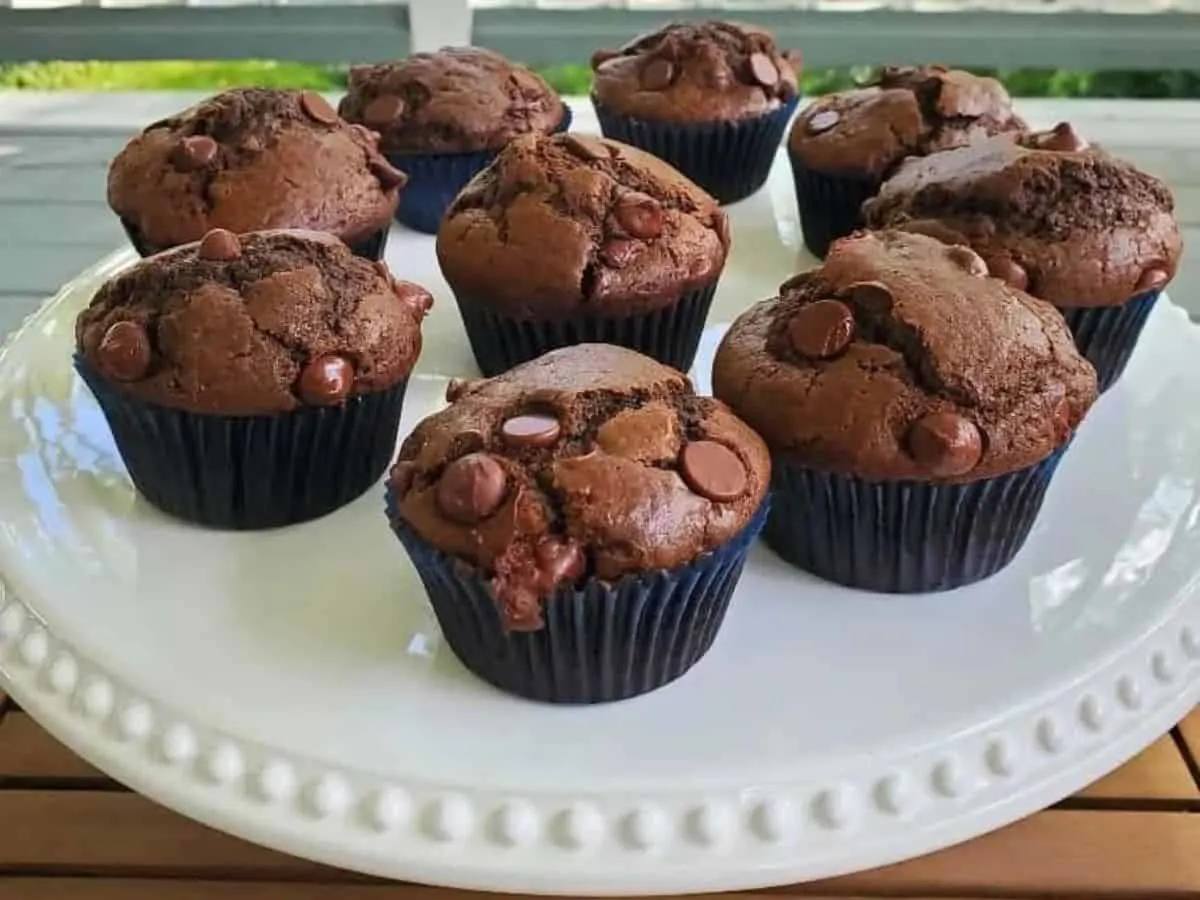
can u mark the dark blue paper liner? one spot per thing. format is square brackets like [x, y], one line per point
[435, 179]
[902, 537]
[670, 335]
[601, 642]
[371, 247]
[730, 160]
[251, 472]
[830, 206]
[1107, 335]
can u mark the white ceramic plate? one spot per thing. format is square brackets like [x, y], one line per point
[290, 687]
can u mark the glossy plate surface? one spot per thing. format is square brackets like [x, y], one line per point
[291, 687]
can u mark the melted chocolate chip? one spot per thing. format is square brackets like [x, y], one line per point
[823, 121]
[640, 215]
[1154, 278]
[124, 351]
[764, 70]
[326, 381]
[195, 152]
[456, 387]
[970, 261]
[1062, 138]
[1009, 270]
[471, 488]
[821, 330]
[383, 111]
[533, 430]
[402, 475]
[588, 151]
[658, 74]
[945, 444]
[219, 245]
[872, 297]
[618, 252]
[600, 57]
[558, 561]
[713, 471]
[385, 173]
[419, 299]
[318, 109]
[365, 135]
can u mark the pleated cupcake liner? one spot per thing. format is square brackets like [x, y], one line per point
[730, 160]
[830, 206]
[250, 472]
[670, 335]
[902, 537]
[435, 179]
[1107, 335]
[600, 642]
[370, 247]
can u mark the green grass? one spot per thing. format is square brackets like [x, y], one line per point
[568, 79]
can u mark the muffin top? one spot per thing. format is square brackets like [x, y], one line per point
[560, 225]
[457, 100]
[906, 112]
[260, 324]
[696, 72]
[590, 461]
[1049, 214]
[900, 359]
[252, 159]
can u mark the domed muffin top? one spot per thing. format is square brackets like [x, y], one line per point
[1050, 214]
[590, 461]
[562, 225]
[696, 72]
[906, 112]
[900, 359]
[251, 159]
[457, 100]
[257, 324]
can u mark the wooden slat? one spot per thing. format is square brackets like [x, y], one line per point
[27, 751]
[1158, 773]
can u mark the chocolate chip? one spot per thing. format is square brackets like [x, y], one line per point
[402, 475]
[821, 330]
[970, 261]
[640, 215]
[416, 297]
[600, 57]
[219, 245]
[1154, 278]
[658, 74]
[124, 351]
[1062, 138]
[365, 135]
[388, 175]
[823, 121]
[764, 70]
[471, 488]
[326, 380]
[946, 444]
[1009, 270]
[532, 430]
[383, 111]
[194, 153]
[318, 109]
[456, 387]
[713, 471]
[618, 252]
[558, 561]
[589, 151]
[872, 297]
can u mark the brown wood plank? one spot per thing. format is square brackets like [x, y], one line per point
[1157, 773]
[27, 751]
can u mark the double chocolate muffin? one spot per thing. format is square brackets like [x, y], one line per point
[710, 98]
[1055, 217]
[566, 239]
[251, 159]
[256, 381]
[443, 116]
[915, 409]
[580, 522]
[845, 145]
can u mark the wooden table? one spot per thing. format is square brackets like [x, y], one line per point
[69, 833]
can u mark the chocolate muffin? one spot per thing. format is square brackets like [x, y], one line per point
[710, 98]
[1055, 217]
[443, 116]
[843, 146]
[915, 408]
[567, 239]
[252, 159]
[256, 381]
[580, 522]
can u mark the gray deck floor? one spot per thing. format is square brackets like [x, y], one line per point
[54, 150]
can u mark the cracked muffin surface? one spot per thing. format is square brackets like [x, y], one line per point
[564, 225]
[899, 358]
[251, 159]
[589, 462]
[905, 112]
[1050, 214]
[257, 324]
[457, 100]
[696, 72]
